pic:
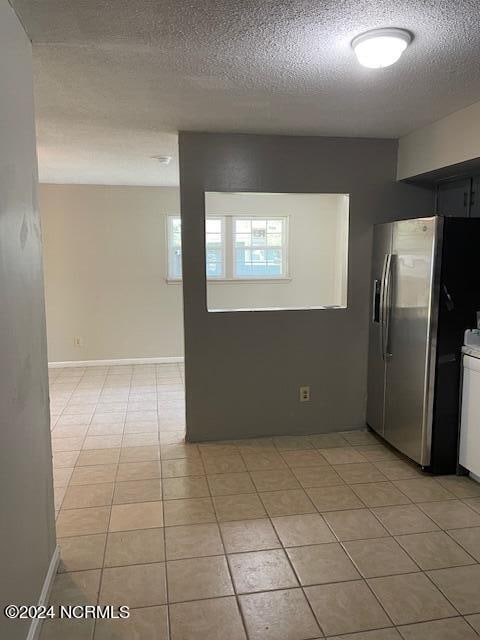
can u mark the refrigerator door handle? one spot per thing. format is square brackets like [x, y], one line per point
[382, 305]
[388, 305]
[376, 297]
[448, 299]
[385, 305]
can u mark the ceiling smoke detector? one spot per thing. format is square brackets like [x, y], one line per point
[162, 159]
[381, 47]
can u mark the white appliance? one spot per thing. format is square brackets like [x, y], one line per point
[469, 455]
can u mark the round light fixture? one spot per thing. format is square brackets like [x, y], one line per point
[380, 47]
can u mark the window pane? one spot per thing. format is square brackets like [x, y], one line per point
[274, 226]
[174, 247]
[214, 262]
[274, 240]
[214, 254]
[259, 236]
[242, 257]
[243, 239]
[176, 234]
[176, 264]
[260, 262]
[258, 271]
[213, 238]
[259, 232]
[274, 256]
[213, 225]
[214, 270]
[259, 256]
[213, 246]
[274, 270]
[243, 226]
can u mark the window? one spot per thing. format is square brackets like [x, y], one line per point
[260, 247]
[236, 248]
[214, 247]
[174, 237]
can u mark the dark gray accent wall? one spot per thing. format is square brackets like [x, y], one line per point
[27, 522]
[243, 369]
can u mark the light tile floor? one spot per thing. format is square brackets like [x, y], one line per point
[286, 538]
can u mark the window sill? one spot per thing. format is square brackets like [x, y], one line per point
[331, 307]
[235, 280]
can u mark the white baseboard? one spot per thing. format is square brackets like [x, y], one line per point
[111, 363]
[36, 626]
[474, 476]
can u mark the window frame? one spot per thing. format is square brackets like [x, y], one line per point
[228, 248]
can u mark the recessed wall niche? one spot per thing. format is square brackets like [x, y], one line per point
[268, 251]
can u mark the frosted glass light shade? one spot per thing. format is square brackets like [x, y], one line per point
[380, 47]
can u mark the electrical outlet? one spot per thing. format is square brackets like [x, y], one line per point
[77, 341]
[304, 393]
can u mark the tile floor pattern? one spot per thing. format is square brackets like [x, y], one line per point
[288, 538]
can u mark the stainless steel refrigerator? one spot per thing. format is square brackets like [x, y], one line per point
[425, 292]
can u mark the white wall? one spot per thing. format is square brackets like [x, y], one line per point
[453, 139]
[105, 269]
[318, 246]
[27, 524]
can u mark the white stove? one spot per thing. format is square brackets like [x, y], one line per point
[469, 454]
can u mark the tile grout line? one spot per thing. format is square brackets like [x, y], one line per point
[362, 577]
[167, 597]
[225, 555]
[51, 436]
[100, 584]
[106, 538]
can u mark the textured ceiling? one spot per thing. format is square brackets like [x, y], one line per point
[113, 76]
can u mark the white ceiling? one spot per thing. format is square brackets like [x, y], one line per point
[115, 80]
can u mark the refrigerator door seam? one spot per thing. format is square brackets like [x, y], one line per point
[429, 390]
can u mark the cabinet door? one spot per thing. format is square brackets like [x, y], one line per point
[475, 198]
[453, 198]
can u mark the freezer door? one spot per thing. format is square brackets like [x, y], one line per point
[382, 248]
[410, 331]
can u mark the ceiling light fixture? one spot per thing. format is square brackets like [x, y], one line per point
[162, 159]
[381, 47]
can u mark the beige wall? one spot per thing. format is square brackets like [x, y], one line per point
[105, 264]
[317, 239]
[105, 268]
[453, 139]
[27, 525]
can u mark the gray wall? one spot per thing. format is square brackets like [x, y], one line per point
[27, 526]
[243, 369]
